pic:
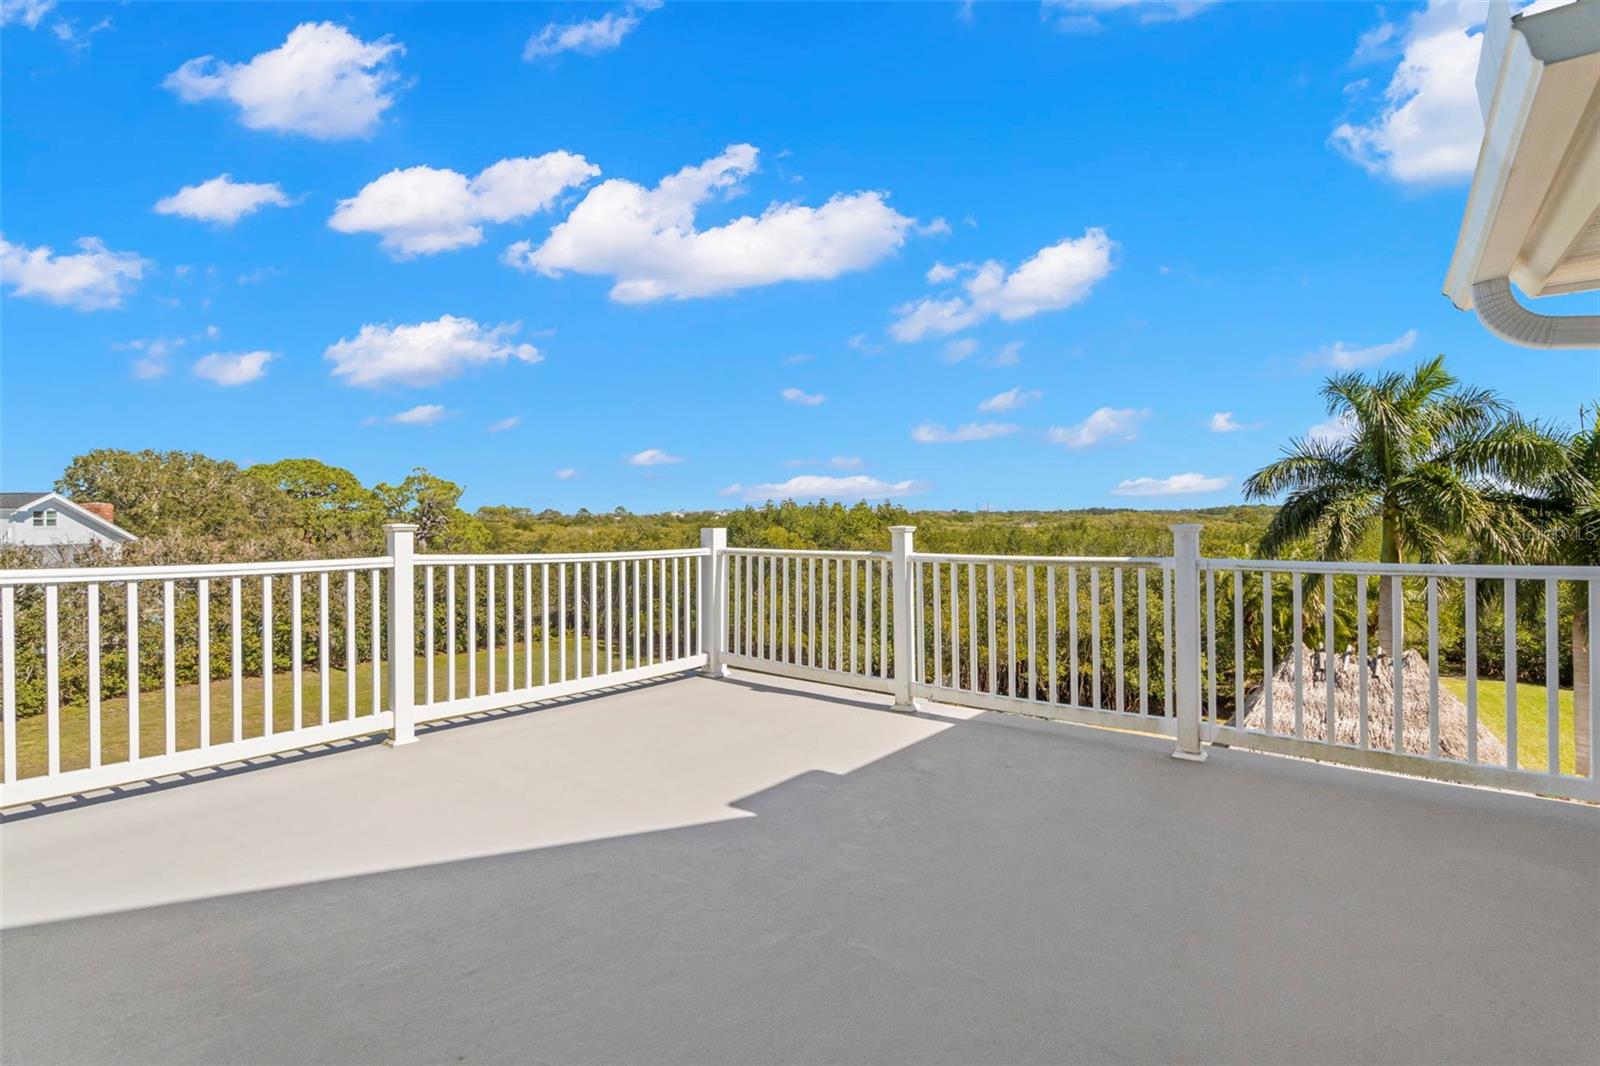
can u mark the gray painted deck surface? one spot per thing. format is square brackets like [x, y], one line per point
[704, 871]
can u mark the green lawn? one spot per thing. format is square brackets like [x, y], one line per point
[1533, 751]
[31, 732]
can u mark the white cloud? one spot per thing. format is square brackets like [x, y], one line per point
[1225, 422]
[845, 462]
[155, 355]
[803, 398]
[1009, 355]
[233, 368]
[588, 37]
[94, 279]
[1335, 430]
[27, 12]
[1011, 399]
[1427, 127]
[934, 433]
[424, 414]
[1106, 423]
[322, 81]
[510, 422]
[646, 238]
[423, 210]
[815, 486]
[1086, 16]
[1176, 485]
[939, 273]
[1343, 356]
[798, 358]
[861, 343]
[424, 353]
[652, 457]
[960, 350]
[1053, 278]
[222, 200]
[566, 473]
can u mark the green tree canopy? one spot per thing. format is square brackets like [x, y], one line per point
[330, 503]
[175, 493]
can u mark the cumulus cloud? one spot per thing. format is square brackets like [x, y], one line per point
[422, 210]
[647, 241]
[960, 350]
[803, 398]
[155, 355]
[1105, 424]
[934, 433]
[322, 82]
[1053, 278]
[566, 473]
[233, 368]
[1011, 399]
[510, 422]
[653, 457]
[587, 37]
[939, 273]
[1343, 356]
[1425, 128]
[1176, 485]
[425, 353]
[1335, 430]
[1090, 16]
[222, 200]
[94, 279]
[1225, 422]
[820, 486]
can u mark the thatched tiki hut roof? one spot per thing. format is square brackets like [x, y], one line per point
[1347, 669]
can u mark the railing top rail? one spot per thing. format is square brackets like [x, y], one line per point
[1477, 570]
[1045, 560]
[810, 553]
[458, 559]
[94, 575]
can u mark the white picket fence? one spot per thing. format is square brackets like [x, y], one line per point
[1162, 645]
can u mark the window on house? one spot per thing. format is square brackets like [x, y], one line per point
[44, 518]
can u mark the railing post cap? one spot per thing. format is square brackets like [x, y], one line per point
[400, 527]
[1184, 527]
[901, 529]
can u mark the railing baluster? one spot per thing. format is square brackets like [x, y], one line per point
[169, 655]
[236, 639]
[93, 611]
[1298, 648]
[1511, 672]
[1469, 604]
[666, 632]
[955, 626]
[838, 615]
[1050, 629]
[812, 622]
[52, 678]
[1330, 709]
[203, 665]
[544, 616]
[132, 592]
[1433, 668]
[1122, 666]
[1267, 632]
[352, 645]
[1364, 668]
[268, 726]
[1144, 654]
[885, 613]
[511, 624]
[1397, 637]
[974, 664]
[938, 634]
[1238, 647]
[450, 633]
[8, 677]
[1033, 641]
[472, 631]
[323, 662]
[427, 634]
[489, 627]
[610, 622]
[993, 645]
[1072, 636]
[1096, 630]
[1211, 647]
[377, 643]
[295, 653]
[1552, 675]
[1011, 630]
[527, 624]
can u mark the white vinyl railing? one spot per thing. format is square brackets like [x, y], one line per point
[246, 660]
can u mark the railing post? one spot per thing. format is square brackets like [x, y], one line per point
[402, 644]
[1186, 638]
[901, 622]
[714, 598]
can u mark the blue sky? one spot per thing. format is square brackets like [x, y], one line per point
[1005, 255]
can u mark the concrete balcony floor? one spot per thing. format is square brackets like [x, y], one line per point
[751, 870]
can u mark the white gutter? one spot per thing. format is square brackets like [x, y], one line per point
[1501, 315]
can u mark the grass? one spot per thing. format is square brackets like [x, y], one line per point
[32, 752]
[1533, 749]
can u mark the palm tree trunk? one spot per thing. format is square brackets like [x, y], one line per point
[1388, 552]
[1582, 739]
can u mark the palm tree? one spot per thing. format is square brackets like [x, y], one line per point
[1567, 507]
[1425, 459]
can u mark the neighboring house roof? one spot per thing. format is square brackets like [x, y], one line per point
[1533, 212]
[28, 501]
